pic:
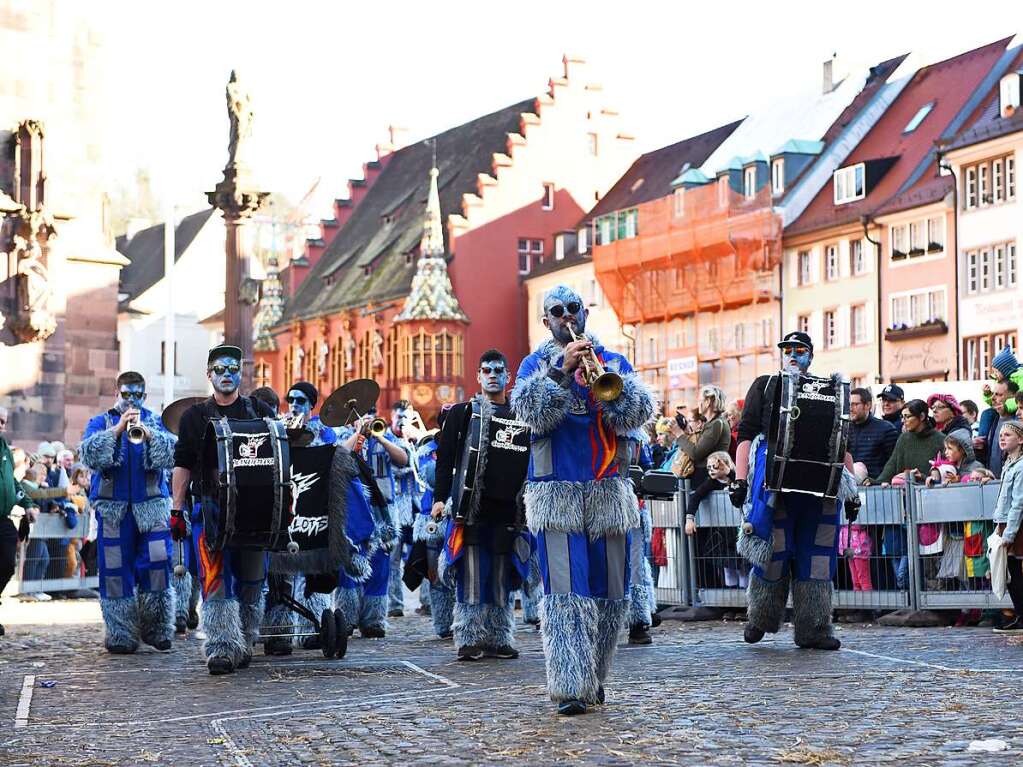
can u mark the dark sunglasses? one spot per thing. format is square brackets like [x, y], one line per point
[133, 395]
[495, 370]
[221, 369]
[299, 400]
[572, 307]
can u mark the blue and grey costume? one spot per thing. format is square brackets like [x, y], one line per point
[130, 495]
[442, 597]
[403, 509]
[581, 511]
[642, 597]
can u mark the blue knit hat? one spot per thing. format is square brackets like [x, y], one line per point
[1005, 362]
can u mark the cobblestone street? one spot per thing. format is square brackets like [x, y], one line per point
[697, 696]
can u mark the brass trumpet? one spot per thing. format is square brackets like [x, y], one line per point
[136, 431]
[606, 385]
[377, 427]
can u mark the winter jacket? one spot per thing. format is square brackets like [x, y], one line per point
[1009, 506]
[859, 543]
[872, 442]
[913, 450]
[957, 422]
[714, 437]
[11, 492]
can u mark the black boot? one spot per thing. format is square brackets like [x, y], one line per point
[752, 634]
[571, 707]
[218, 665]
[639, 634]
[181, 625]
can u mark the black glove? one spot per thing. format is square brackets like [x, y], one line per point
[178, 528]
[852, 508]
[737, 492]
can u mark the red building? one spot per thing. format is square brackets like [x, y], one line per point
[505, 184]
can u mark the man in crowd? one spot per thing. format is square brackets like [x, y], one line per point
[893, 399]
[12, 501]
[232, 579]
[871, 439]
[130, 453]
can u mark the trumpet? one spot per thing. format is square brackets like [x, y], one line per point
[377, 427]
[606, 385]
[136, 431]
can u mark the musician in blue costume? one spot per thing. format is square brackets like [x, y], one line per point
[577, 504]
[482, 457]
[129, 453]
[301, 399]
[232, 579]
[365, 604]
[403, 509]
[790, 538]
[642, 598]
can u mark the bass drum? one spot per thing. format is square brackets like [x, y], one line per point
[245, 484]
[808, 434]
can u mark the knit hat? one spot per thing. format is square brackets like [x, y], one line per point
[308, 390]
[948, 399]
[964, 441]
[1005, 362]
[45, 448]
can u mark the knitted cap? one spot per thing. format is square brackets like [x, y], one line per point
[1005, 362]
[948, 399]
[308, 390]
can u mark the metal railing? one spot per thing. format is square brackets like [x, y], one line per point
[52, 559]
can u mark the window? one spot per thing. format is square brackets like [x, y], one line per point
[582, 243]
[804, 276]
[849, 184]
[972, 272]
[678, 197]
[627, 220]
[831, 263]
[559, 247]
[163, 363]
[990, 182]
[985, 270]
[595, 295]
[767, 332]
[547, 203]
[591, 144]
[857, 262]
[1010, 265]
[803, 323]
[525, 260]
[1008, 92]
[999, 266]
[900, 247]
[977, 352]
[997, 181]
[858, 324]
[935, 234]
[982, 185]
[830, 329]
[918, 307]
[918, 118]
[778, 176]
[605, 229]
[991, 268]
[971, 188]
[1010, 178]
[712, 340]
[916, 238]
[749, 182]
[740, 336]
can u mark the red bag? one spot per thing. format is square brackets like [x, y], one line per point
[658, 548]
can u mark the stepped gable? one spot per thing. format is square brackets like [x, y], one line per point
[948, 85]
[367, 260]
[145, 251]
[654, 171]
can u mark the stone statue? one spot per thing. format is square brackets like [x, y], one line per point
[378, 349]
[239, 111]
[323, 351]
[33, 320]
[296, 363]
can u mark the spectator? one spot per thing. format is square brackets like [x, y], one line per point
[916, 446]
[855, 543]
[871, 439]
[970, 412]
[734, 414]
[662, 439]
[1007, 516]
[721, 472]
[947, 412]
[893, 400]
[958, 457]
[13, 501]
[987, 444]
[711, 438]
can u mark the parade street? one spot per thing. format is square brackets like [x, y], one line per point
[698, 695]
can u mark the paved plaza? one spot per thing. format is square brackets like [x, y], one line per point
[698, 695]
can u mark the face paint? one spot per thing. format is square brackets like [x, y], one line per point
[796, 358]
[130, 396]
[225, 373]
[299, 404]
[563, 300]
[493, 376]
[397, 414]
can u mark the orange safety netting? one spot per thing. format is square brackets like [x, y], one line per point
[718, 253]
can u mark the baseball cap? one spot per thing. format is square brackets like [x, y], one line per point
[796, 338]
[892, 392]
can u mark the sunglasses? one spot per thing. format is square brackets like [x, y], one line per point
[572, 307]
[299, 400]
[795, 350]
[495, 370]
[221, 369]
[126, 395]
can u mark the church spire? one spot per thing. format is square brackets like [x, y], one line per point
[431, 296]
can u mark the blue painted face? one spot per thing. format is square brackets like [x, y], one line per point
[130, 396]
[796, 358]
[493, 376]
[564, 308]
[225, 373]
[396, 416]
[299, 404]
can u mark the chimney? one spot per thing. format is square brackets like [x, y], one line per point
[397, 138]
[830, 66]
[574, 66]
[1009, 93]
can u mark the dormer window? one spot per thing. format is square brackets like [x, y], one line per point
[559, 247]
[778, 176]
[582, 240]
[918, 118]
[749, 182]
[849, 184]
[1009, 94]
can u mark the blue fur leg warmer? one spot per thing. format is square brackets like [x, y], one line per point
[251, 619]
[156, 616]
[487, 626]
[811, 611]
[639, 605]
[279, 619]
[395, 594]
[766, 602]
[374, 613]
[120, 616]
[182, 594]
[316, 603]
[221, 622]
[424, 593]
[569, 624]
[530, 605]
[442, 605]
[610, 617]
[349, 602]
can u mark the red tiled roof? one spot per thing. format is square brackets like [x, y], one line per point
[948, 84]
[989, 123]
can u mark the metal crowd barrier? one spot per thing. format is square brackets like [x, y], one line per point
[908, 548]
[50, 560]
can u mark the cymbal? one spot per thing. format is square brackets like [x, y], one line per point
[349, 402]
[171, 415]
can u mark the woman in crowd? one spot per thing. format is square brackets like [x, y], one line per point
[916, 446]
[714, 436]
[948, 413]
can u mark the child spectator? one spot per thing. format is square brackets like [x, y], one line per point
[1007, 517]
[959, 460]
[721, 472]
[855, 543]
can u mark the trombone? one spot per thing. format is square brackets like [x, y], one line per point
[606, 385]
